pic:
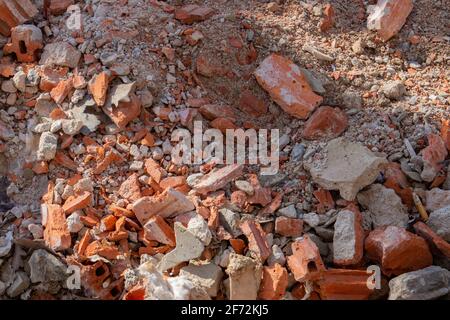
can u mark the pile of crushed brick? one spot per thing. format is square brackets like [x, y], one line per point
[91, 91]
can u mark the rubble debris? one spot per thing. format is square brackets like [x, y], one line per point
[192, 13]
[305, 261]
[387, 17]
[435, 242]
[294, 96]
[342, 284]
[439, 222]
[26, 40]
[348, 167]
[168, 203]
[218, 179]
[397, 250]
[348, 240]
[14, 13]
[385, 207]
[274, 283]
[206, 275]
[424, 284]
[244, 277]
[188, 247]
[60, 54]
[325, 123]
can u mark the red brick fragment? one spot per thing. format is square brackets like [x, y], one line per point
[191, 13]
[305, 261]
[56, 233]
[256, 238]
[325, 123]
[157, 229]
[287, 86]
[75, 203]
[397, 250]
[288, 227]
[274, 283]
[340, 284]
[436, 243]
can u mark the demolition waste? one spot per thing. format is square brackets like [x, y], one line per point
[93, 205]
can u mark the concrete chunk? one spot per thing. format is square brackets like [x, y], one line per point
[425, 284]
[348, 167]
[206, 275]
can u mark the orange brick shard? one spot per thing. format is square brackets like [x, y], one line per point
[325, 123]
[75, 203]
[340, 284]
[26, 41]
[157, 229]
[289, 227]
[257, 239]
[56, 233]
[287, 86]
[169, 203]
[397, 250]
[305, 261]
[14, 13]
[274, 283]
[436, 243]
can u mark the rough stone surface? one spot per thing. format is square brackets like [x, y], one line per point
[439, 222]
[385, 206]
[207, 275]
[425, 284]
[348, 240]
[245, 277]
[348, 167]
[188, 247]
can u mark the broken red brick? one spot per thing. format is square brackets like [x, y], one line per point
[395, 179]
[172, 182]
[218, 179]
[191, 13]
[130, 188]
[75, 203]
[433, 156]
[157, 229]
[325, 123]
[56, 233]
[238, 245]
[50, 77]
[256, 238]
[436, 243]
[274, 283]
[328, 19]
[388, 17]
[62, 90]
[14, 13]
[105, 250]
[58, 7]
[214, 111]
[108, 223]
[98, 87]
[287, 86]
[445, 133]
[154, 170]
[251, 104]
[340, 284]
[125, 112]
[397, 250]
[325, 199]
[223, 124]
[26, 41]
[168, 203]
[288, 227]
[305, 261]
